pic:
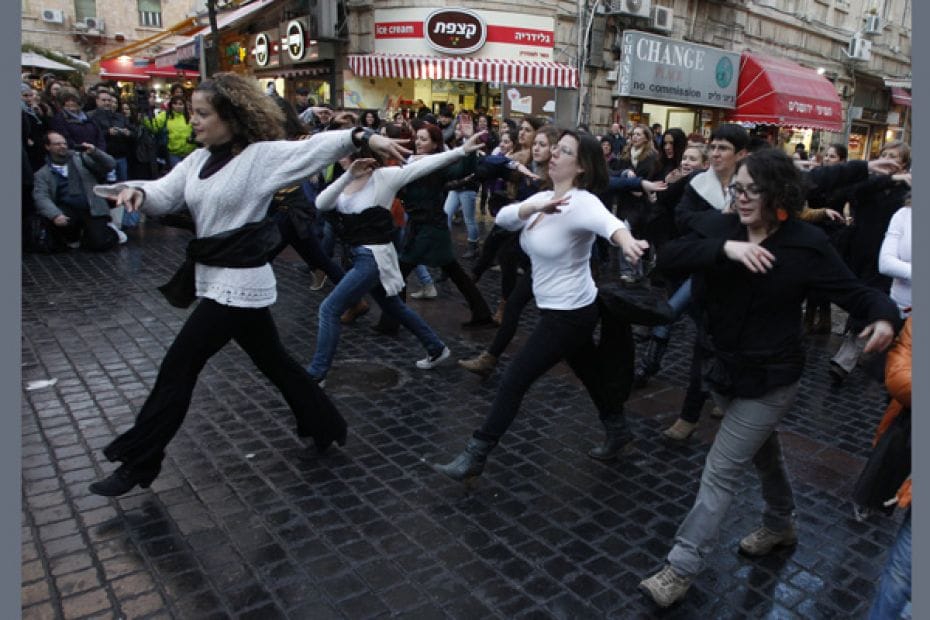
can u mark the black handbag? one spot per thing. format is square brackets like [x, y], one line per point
[888, 467]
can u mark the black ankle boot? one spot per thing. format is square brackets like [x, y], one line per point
[123, 480]
[325, 439]
[616, 439]
[470, 463]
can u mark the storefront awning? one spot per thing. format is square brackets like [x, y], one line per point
[901, 96]
[125, 69]
[292, 72]
[522, 72]
[779, 92]
[190, 49]
[38, 61]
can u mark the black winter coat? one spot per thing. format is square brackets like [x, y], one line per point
[754, 320]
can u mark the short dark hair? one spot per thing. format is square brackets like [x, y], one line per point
[593, 176]
[303, 91]
[732, 133]
[841, 150]
[779, 181]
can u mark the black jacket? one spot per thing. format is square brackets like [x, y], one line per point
[754, 320]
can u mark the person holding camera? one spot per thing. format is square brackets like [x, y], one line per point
[64, 194]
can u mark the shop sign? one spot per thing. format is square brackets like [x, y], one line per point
[666, 69]
[455, 31]
[460, 31]
[262, 50]
[296, 39]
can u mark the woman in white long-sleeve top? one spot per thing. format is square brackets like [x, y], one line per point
[894, 259]
[557, 230]
[362, 199]
[227, 186]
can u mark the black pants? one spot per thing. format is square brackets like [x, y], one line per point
[521, 295]
[559, 334]
[92, 231]
[208, 328]
[308, 248]
[503, 245]
[696, 395]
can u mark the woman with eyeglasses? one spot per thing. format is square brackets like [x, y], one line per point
[557, 228]
[753, 268]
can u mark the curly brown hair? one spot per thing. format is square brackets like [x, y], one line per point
[252, 115]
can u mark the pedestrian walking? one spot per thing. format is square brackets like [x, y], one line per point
[227, 186]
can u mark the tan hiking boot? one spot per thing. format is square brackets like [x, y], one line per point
[482, 365]
[680, 430]
[666, 587]
[763, 540]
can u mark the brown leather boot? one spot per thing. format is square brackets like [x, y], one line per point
[348, 317]
[482, 365]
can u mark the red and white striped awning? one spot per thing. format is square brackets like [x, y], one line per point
[522, 72]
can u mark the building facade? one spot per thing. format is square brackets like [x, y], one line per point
[88, 29]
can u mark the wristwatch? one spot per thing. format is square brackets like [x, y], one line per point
[361, 136]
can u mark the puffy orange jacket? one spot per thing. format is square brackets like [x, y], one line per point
[898, 383]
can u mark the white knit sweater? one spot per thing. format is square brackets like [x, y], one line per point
[236, 195]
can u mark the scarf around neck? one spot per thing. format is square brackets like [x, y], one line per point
[635, 152]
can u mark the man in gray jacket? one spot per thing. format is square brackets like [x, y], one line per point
[64, 193]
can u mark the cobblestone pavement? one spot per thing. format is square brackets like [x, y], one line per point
[247, 522]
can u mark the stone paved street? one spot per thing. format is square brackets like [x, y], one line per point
[246, 522]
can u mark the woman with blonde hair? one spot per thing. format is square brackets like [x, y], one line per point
[227, 186]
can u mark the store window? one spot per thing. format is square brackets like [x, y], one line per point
[84, 9]
[150, 13]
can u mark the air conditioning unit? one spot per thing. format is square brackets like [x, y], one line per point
[662, 18]
[873, 24]
[612, 76]
[859, 49]
[633, 8]
[53, 16]
[94, 23]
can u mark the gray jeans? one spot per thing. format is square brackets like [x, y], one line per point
[747, 433]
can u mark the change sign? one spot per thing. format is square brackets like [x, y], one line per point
[664, 69]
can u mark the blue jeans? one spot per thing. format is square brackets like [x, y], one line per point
[363, 278]
[466, 200]
[122, 169]
[679, 303]
[420, 271]
[747, 435]
[894, 590]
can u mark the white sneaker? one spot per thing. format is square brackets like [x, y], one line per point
[427, 292]
[435, 360]
[119, 234]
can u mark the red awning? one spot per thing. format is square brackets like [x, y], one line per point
[901, 96]
[171, 72]
[779, 92]
[125, 69]
[523, 72]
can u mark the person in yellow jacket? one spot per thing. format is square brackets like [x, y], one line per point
[176, 122]
[894, 589]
